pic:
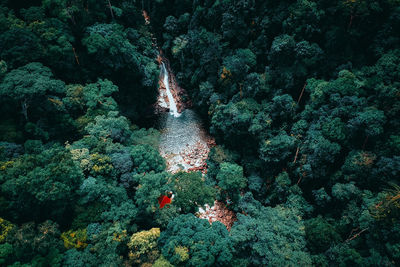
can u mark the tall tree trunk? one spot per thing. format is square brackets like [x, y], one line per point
[297, 153]
[76, 56]
[302, 92]
[350, 22]
[110, 7]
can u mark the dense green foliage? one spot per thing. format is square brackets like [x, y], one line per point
[302, 96]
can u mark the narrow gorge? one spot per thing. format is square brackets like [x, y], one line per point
[184, 142]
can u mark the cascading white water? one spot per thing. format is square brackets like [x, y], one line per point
[172, 105]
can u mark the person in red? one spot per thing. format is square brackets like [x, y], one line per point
[164, 200]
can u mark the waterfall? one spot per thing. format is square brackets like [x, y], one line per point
[172, 105]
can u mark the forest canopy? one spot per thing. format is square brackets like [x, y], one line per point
[301, 96]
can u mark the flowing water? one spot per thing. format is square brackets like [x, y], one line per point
[173, 109]
[181, 132]
[183, 141]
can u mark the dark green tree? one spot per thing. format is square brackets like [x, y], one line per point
[146, 158]
[30, 85]
[189, 241]
[269, 236]
[191, 192]
[321, 235]
[41, 186]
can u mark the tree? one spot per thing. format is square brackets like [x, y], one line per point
[255, 85]
[230, 179]
[321, 197]
[109, 39]
[124, 212]
[106, 241]
[113, 126]
[56, 40]
[320, 235]
[305, 19]
[162, 262]
[207, 48]
[358, 167]
[112, 48]
[17, 45]
[345, 192]
[64, 10]
[97, 96]
[190, 241]
[216, 157]
[171, 25]
[5, 228]
[3, 68]
[282, 107]
[143, 246]
[347, 84]
[29, 85]
[388, 208]
[280, 188]
[75, 258]
[74, 239]
[151, 187]
[34, 13]
[146, 158]
[113, 198]
[369, 122]
[122, 162]
[387, 169]
[240, 63]
[6, 251]
[231, 122]
[269, 236]
[320, 154]
[344, 255]
[278, 148]
[42, 185]
[282, 49]
[191, 191]
[334, 129]
[38, 243]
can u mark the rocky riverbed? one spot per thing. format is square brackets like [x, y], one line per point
[218, 212]
[185, 144]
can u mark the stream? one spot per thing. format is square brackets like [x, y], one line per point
[185, 145]
[183, 141]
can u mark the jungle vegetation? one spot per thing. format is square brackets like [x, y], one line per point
[302, 97]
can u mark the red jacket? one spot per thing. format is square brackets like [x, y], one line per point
[163, 200]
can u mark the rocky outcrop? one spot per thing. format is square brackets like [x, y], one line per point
[218, 212]
[162, 104]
